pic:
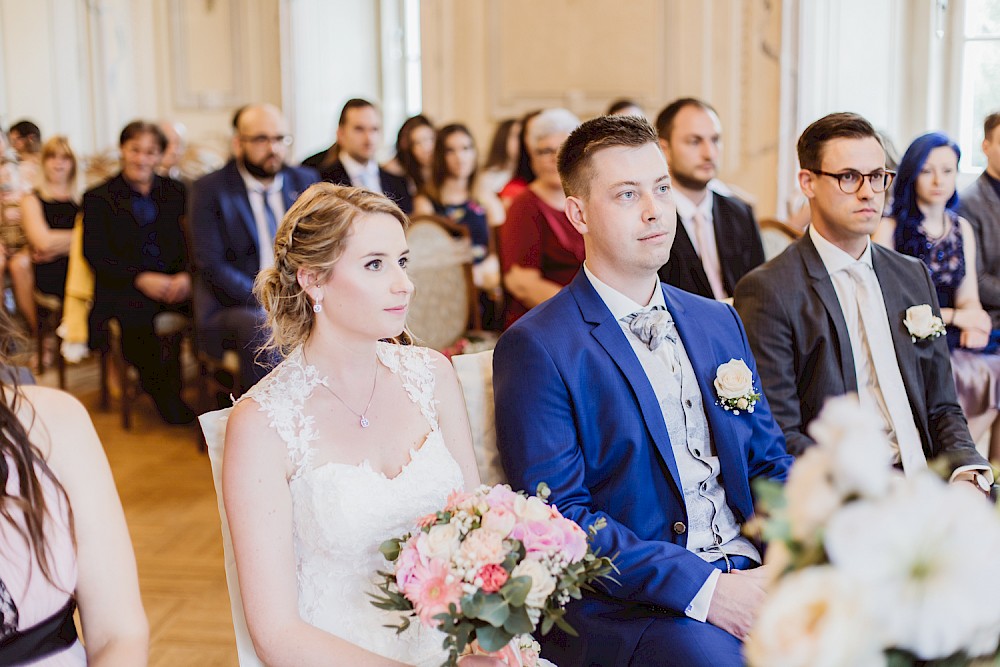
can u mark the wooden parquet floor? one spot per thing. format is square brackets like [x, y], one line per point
[166, 488]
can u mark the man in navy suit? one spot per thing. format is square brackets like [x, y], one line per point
[234, 214]
[605, 392]
[352, 160]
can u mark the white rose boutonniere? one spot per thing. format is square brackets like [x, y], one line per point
[734, 384]
[922, 323]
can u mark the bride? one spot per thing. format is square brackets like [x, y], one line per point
[344, 444]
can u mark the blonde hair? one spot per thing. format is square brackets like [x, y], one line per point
[312, 236]
[58, 145]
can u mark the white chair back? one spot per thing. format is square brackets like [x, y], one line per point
[213, 425]
[475, 374]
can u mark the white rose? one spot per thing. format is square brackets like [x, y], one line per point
[733, 379]
[440, 542]
[811, 494]
[531, 509]
[542, 583]
[920, 320]
[805, 620]
[861, 456]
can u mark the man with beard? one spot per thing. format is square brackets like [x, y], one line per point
[234, 214]
[352, 160]
[717, 237]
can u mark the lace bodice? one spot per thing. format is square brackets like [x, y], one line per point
[342, 513]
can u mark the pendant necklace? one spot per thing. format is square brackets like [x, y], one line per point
[361, 415]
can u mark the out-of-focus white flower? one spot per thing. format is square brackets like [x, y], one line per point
[542, 583]
[815, 618]
[925, 554]
[531, 509]
[810, 492]
[861, 460]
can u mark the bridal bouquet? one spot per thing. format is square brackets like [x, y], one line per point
[874, 569]
[487, 568]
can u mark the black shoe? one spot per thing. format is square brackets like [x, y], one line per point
[175, 411]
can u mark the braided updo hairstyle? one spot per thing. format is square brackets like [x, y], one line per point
[312, 236]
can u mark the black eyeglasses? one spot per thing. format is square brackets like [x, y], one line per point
[264, 140]
[850, 180]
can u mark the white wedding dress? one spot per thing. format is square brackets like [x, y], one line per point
[341, 513]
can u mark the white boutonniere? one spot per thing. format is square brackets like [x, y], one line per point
[922, 323]
[734, 384]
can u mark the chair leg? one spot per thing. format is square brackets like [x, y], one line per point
[60, 364]
[105, 391]
[128, 393]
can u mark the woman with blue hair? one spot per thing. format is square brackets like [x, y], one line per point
[923, 222]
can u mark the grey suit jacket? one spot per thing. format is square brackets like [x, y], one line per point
[799, 337]
[980, 205]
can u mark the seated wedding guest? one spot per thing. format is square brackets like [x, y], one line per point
[359, 133]
[717, 236]
[19, 173]
[133, 240]
[176, 134]
[841, 329]
[625, 107]
[48, 215]
[503, 156]
[923, 223]
[450, 192]
[234, 214]
[386, 440]
[980, 205]
[540, 251]
[65, 542]
[601, 392]
[414, 152]
[523, 173]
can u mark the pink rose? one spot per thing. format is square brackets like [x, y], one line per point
[483, 547]
[501, 496]
[408, 560]
[539, 536]
[500, 520]
[493, 576]
[574, 540]
[431, 590]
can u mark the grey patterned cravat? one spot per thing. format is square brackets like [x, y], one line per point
[652, 326]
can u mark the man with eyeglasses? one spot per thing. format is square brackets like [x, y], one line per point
[234, 213]
[717, 237]
[826, 317]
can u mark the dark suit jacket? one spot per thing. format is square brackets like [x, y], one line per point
[224, 236]
[737, 239]
[575, 409]
[799, 337]
[394, 187]
[117, 248]
[980, 205]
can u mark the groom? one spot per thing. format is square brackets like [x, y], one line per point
[605, 392]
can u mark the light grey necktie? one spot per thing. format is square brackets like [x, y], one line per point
[652, 326]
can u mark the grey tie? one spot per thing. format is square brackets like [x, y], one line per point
[652, 326]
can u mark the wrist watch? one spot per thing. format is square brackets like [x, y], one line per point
[979, 479]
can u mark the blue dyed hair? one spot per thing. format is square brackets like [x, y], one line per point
[904, 208]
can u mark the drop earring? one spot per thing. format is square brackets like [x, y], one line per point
[317, 307]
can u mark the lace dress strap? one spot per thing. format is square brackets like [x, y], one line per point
[282, 395]
[416, 370]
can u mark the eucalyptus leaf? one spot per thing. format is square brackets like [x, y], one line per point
[516, 590]
[493, 639]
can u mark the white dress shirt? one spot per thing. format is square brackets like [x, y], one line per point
[362, 175]
[256, 192]
[709, 254]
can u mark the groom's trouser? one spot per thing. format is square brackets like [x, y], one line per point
[615, 633]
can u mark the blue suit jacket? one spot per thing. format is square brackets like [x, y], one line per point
[575, 409]
[224, 236]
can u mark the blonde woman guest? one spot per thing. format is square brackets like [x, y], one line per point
[344, 444]
[65, 542]
[540, 251]
[48, 214]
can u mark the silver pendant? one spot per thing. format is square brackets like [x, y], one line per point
[364, 421]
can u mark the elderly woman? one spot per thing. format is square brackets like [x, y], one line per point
[540, 251]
